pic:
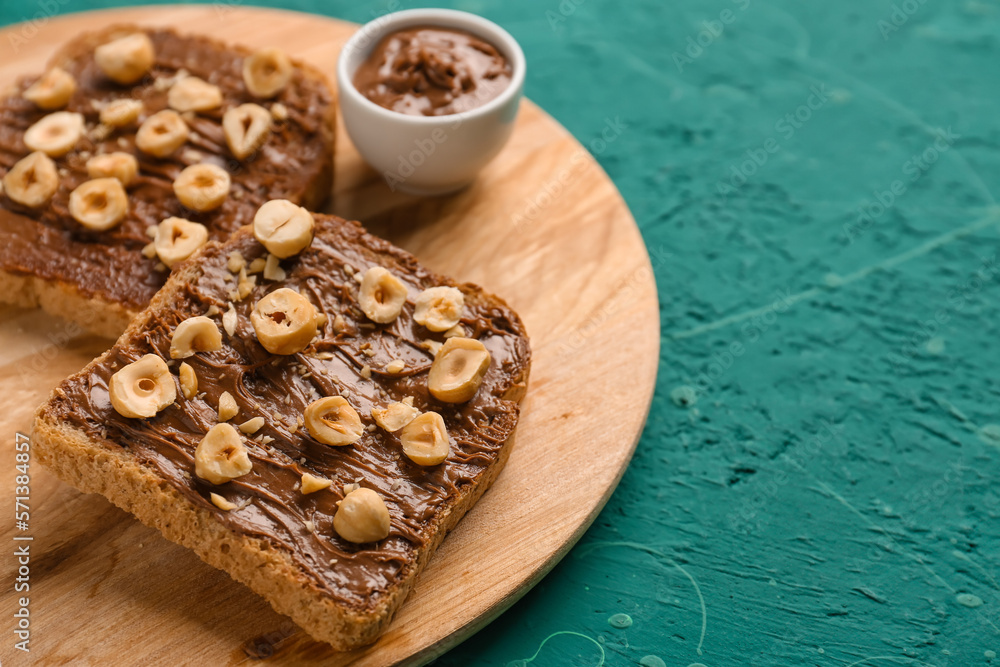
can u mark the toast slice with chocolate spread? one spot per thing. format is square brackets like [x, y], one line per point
[317, 424]
[141, 106]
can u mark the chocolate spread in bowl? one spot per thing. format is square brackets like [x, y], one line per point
[432, 71]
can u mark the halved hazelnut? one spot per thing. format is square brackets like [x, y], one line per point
[202, 187]
[458, 370]
[177, 239]
[142, 388]
[126, 59]
[425, 440]
[381, 295]
[252, 425]
[55, 134]
[439, 308]
[194, 94]
[162, 133]
[53, 89]
[221, 455]
[193, 335]
[267, 72]
[99, 204]
[122, 166]
[285, 321]
[362, 517]
[333, 421]
[246, 128]
[282, 227]
[32, 180]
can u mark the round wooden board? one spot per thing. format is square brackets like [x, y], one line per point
[543, 227]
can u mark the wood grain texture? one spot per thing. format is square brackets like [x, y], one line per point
[543, 227]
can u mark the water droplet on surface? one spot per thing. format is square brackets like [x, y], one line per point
[989, 655]
[990, 434]
[620, 621]
[969, 600]
[652, 661]
[684, 396]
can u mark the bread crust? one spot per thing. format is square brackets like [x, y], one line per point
[101, 466]
[103, 315]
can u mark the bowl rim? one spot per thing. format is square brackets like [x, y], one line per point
[376, 29]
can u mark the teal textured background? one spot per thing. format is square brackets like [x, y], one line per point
[815, 485]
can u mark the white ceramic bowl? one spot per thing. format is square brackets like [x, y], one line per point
[428, 155]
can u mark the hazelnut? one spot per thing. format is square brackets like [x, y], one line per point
[425, 440]
[333, 421]
[142, 388]
[458, 370]
[221, 455]
[193, 335]
[285, 321]
[381, 295]
[362, 517]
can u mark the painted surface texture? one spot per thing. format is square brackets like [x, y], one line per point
[815, 184]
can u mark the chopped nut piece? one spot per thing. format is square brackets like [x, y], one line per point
[457, 331]
[229, 320]
[366, 372]
[257, 265]
[279, 112]
[227, 407]
[395, 366]
[272, 268]
[252, 425]
[236, 262]
[189, 381]
[396, 416]
[339, 324]
[311, 484]
[149, 250]
[222, 503]
[351, 488]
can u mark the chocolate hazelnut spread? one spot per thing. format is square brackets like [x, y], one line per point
[278, 388]
[49, 244]
[432, 72]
